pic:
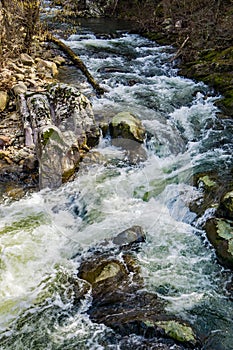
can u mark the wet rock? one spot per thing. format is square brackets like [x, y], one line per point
[53, 155]
[120, 301]
[63, 127]
[134, 152]
[19, 88]
[3, 100]
[54, 127]
[216, 197]
[229, 289]
[129, 237]
[73, 111]
[226, 206]
[212, 188]
[220, 235]
[80, 288]
[125, 125]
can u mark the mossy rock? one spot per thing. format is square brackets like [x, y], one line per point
[125, 125]
[220, 235]
[178, 331]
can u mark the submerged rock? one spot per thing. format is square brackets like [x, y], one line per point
[129, 237]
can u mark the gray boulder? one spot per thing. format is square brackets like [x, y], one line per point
[127, 126]
[60, 124]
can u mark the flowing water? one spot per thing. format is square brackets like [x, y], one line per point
[42, 232]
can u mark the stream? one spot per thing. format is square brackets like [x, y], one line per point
[40, 233]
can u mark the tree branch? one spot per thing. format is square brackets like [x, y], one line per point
[77, 62]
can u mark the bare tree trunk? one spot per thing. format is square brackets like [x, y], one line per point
[31, 13]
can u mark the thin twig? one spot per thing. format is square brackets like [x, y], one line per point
[178, 52]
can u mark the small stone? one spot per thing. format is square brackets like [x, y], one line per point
[59, 60]
[132, 235]
[48, 65]
[19, 88]
[15, 193]
[31, 82]
[17, 69]
[19, 76]
[26, 59]
[4, 141]
[3, 100]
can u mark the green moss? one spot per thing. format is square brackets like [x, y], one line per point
[228, 100]
[208, 183]
[177, 331]
[46, 136]
[149, 323]
[214, 55]
[51, 133]
[224, 229]
[109, 270]
[230, 246]
[125, 125]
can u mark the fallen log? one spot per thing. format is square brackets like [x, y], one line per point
[77, 62]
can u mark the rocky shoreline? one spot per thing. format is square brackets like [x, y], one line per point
[26, 75]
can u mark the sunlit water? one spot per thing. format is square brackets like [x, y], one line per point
[41, 233]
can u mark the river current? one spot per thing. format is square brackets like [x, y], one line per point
[40, 233]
